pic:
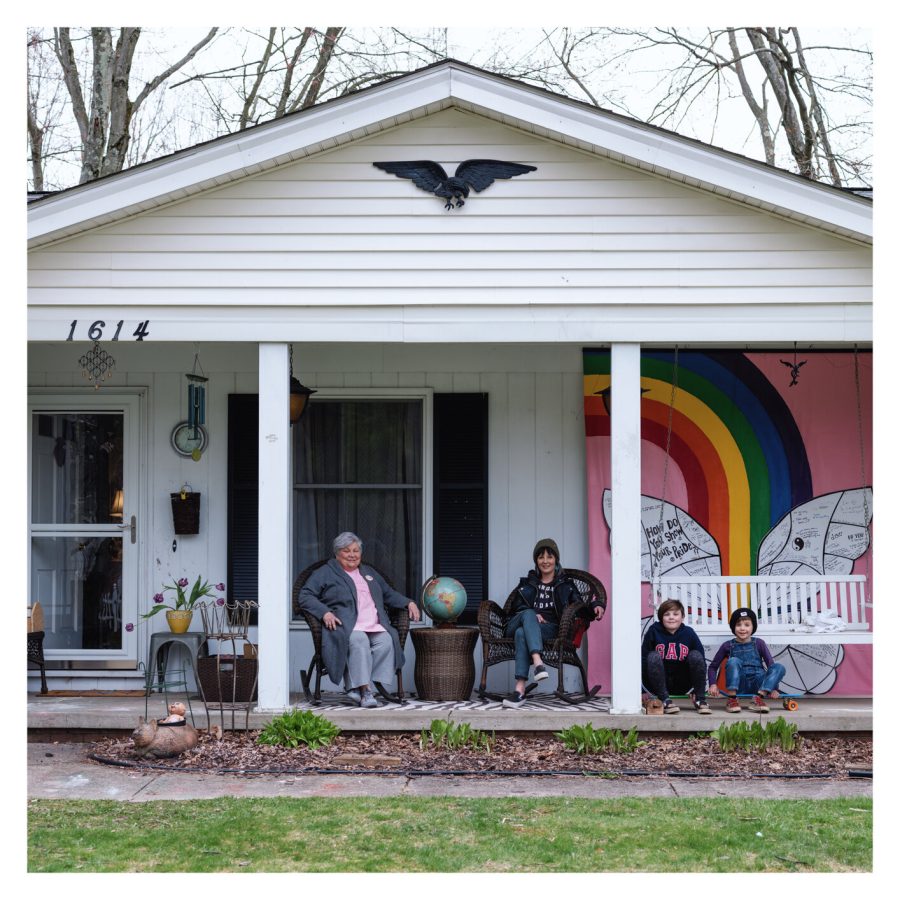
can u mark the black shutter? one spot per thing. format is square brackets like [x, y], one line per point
[243, 497]
[461, 494]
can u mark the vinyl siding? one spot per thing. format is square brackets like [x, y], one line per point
[536, 466]
[337, 231]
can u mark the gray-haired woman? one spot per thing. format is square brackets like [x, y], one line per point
[358, 641]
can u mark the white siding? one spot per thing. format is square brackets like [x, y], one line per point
[536, 440]
[336, 230]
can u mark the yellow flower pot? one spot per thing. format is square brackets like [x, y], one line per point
[179, 620]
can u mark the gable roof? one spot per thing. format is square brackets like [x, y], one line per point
[436, 87]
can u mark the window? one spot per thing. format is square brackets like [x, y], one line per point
[363, 465]
[358, 467]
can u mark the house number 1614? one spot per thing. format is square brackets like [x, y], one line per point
[95, 332]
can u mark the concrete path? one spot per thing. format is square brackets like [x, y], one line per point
[63, 772]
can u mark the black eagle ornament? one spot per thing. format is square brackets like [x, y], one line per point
[475, 173]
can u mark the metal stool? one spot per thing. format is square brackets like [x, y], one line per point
[36, 655]
[158, 665]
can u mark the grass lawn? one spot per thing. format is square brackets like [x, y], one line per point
[450, 835]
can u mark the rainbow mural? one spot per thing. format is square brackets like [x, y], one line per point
[733, 437]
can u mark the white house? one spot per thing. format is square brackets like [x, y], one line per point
[225, 258]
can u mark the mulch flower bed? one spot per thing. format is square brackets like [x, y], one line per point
[237, 752]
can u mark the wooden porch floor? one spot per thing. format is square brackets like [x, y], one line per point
[74, 716]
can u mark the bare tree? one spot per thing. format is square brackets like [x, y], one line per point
[291, 68]
[99, 82]
[276, 72]
[814, 101]
[45, 104]
[809, 104]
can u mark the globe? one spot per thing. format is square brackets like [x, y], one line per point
[444, 599]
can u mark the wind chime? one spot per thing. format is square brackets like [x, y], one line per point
[96, 365]
[196, 397]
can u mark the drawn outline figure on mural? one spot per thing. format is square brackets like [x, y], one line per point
[823, 536]
[748, 479]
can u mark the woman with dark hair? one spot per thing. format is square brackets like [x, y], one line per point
[358, 641]
[541, 597]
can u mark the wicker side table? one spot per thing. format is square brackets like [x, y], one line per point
[445, 667]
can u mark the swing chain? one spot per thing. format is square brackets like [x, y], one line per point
[862, 452]
[662, 503]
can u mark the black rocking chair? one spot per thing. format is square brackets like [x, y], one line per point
[498, 648]
[399, 619]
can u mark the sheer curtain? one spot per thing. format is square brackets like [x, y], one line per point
[358, 467]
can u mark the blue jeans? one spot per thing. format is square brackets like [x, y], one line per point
[529, 635]
[744, 672]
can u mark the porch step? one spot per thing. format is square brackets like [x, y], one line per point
[542, 713]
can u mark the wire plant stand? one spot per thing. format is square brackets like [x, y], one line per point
[230, 672]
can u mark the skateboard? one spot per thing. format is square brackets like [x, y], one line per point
[788, 701]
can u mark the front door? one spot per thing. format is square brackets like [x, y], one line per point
[84, 517]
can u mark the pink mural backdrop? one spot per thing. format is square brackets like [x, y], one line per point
[756, 440]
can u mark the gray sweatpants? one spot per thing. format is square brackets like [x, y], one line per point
[370, 658]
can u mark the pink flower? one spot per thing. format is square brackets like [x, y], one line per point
[220, 586]
[158, 598]
[182, 582]
[220, 601]
[129, 627]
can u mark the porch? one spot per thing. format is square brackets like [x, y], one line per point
[73, 718]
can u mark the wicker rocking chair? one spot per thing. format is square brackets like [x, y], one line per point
[399, 619]
[560, 651]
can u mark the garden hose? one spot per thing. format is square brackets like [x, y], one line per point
[503, 773]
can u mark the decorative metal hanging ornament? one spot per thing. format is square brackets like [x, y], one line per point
[795, 366]
[196, 412]
[477, 174]
[96, 365]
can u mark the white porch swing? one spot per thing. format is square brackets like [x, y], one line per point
[802, 608]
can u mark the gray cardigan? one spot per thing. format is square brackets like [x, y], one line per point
[331, 589]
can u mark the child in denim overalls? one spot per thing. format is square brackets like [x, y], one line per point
[750, 668]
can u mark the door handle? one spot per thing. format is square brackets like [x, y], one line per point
[132, 526]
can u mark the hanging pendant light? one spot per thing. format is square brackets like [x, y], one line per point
[299, 394]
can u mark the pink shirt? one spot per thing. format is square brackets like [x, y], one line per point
[366, 613]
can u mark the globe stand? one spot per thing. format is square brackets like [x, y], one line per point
[445, 668]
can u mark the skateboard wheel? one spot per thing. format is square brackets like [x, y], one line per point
[792, 705]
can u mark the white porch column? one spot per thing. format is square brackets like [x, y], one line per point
[274, 526]
[625, 409]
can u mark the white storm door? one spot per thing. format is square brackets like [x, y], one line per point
[84, 521]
